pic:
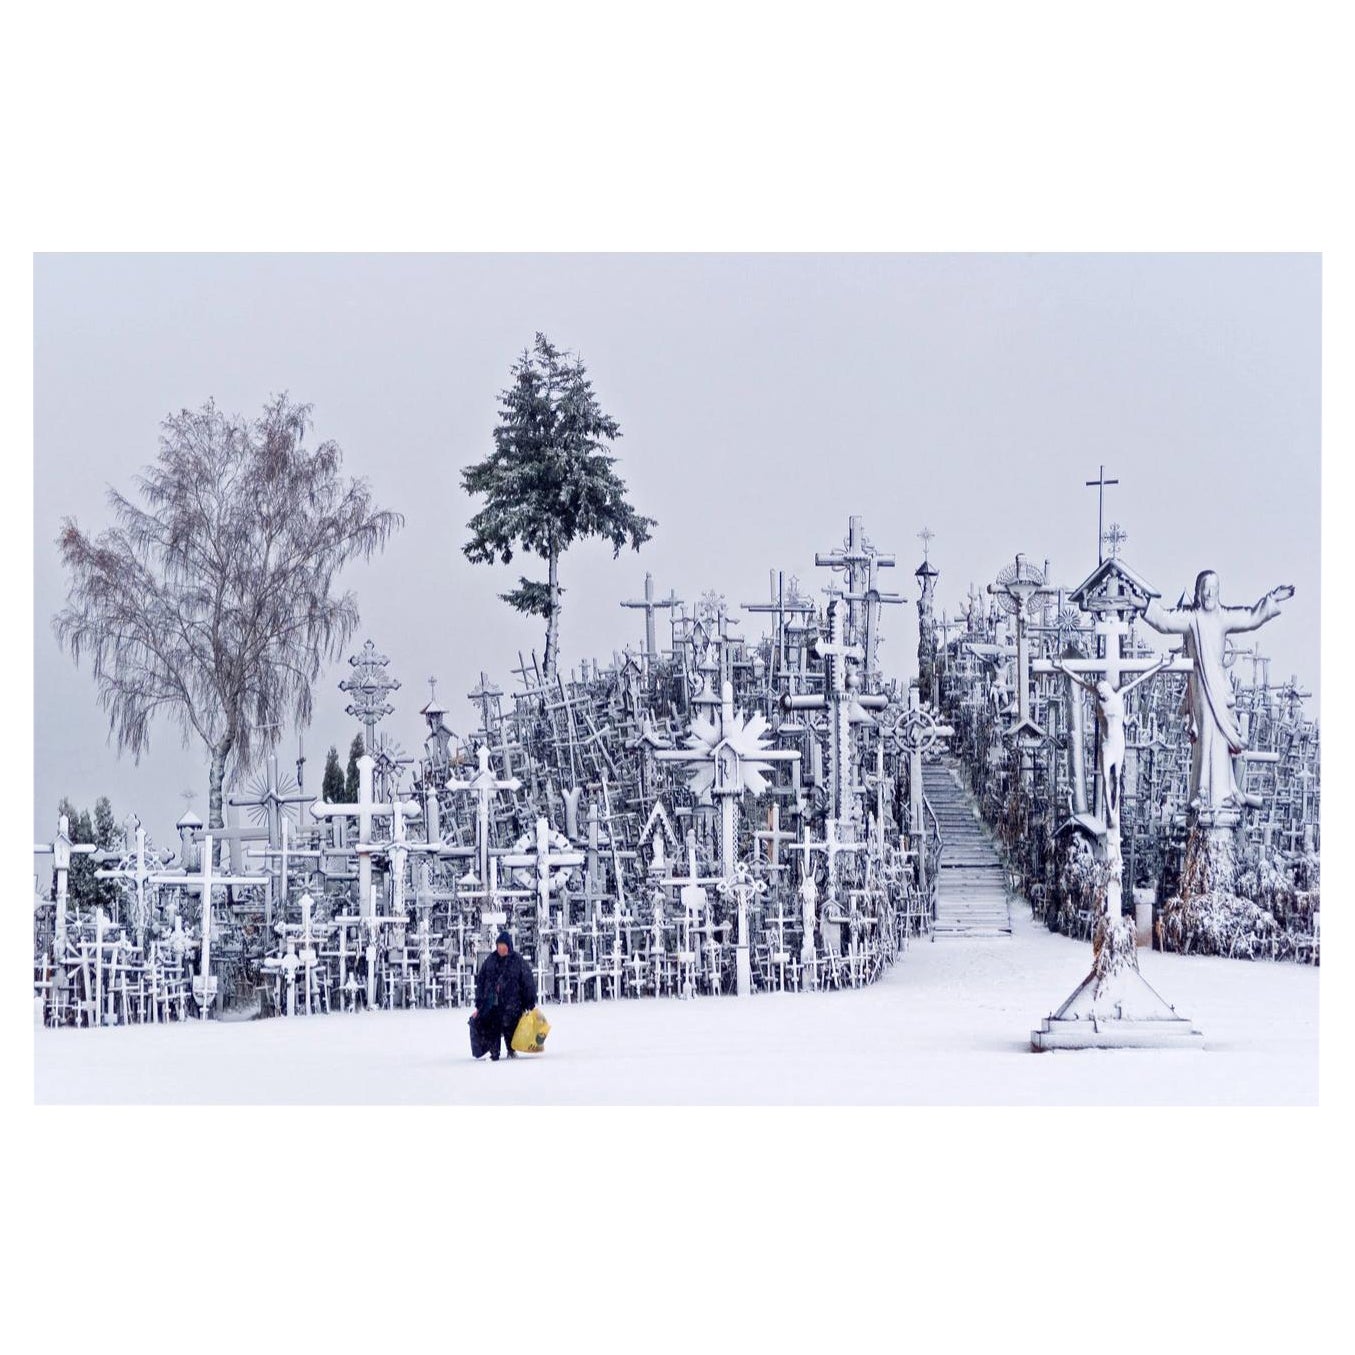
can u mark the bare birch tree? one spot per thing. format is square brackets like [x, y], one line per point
[212, 601]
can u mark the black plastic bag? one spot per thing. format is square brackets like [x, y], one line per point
[478, 1044]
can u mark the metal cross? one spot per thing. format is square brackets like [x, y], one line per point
[369, 686]
[1101, 483]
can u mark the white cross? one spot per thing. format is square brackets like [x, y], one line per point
[60, 849]
[485, 786]
[365, 810]
[203, 883]
[742, 886]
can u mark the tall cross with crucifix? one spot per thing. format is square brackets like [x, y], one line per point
[1020, 584]
[1113, 594]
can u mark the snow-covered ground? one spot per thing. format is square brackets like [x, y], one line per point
[949, 1025]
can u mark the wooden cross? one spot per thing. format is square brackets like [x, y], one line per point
[873, 599]
[781, 607]
[832, 847]
[651, 605]
[485, 693]
[774, 835]
[285, 853]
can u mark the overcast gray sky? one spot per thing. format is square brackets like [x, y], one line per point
[762, 398]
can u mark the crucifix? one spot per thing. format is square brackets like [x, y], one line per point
[742, 886]
[204, 986]
[1021, 584]
[1114, 1004]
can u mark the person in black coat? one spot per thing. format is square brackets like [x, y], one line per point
[504, 988]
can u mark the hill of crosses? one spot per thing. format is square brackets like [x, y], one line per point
[744, 801]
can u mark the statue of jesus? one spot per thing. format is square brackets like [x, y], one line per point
[1215, 737]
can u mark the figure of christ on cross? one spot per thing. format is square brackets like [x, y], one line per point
[1110, 721]
[1107, 671]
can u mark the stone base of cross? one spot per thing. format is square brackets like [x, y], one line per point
[1122, 1011]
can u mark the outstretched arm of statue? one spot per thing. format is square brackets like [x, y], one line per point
[1266, 609]
[1173, 622]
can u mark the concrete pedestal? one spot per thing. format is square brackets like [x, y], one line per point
[1143, 917]
[1128, 1014]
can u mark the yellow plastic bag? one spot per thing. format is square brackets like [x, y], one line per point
[531, 1032]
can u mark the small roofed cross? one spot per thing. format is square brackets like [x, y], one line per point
[1100, 482]
[925, 536]
[432, 690]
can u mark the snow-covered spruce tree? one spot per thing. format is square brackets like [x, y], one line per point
[351, 786]
[106, 839]
[549, 482]
[82, 889]
[212, 601]
[331, 784]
